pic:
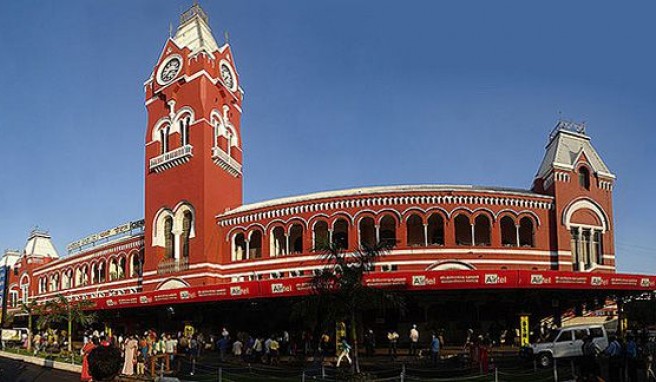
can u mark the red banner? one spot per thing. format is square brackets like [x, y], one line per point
[412, 281]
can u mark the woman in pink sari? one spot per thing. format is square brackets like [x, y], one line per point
[131, 346]
[85, 376]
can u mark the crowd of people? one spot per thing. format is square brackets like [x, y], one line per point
[622, 357]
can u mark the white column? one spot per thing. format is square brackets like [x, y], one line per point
[287, 251]
[330, 236]
[176, 244]
[473, 235]
[377, 233]
[425, 235]
[593, 248]
[579, 248]
[248, 249]
[517, 243]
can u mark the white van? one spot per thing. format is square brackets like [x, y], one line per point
[567, 342]
[13, 335]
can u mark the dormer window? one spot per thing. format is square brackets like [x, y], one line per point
[584, 178]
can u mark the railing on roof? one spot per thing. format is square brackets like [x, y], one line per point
[195, 10]
[574, 127]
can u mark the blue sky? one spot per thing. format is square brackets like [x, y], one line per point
[338, 94]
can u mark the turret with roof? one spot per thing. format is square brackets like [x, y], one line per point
[581, 183]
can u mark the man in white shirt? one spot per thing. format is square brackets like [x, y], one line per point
[414, 339]
[236, 348]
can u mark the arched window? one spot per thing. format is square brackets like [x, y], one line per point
[168, 238]
[238, 247]
[526, 232]
[367, 232]
[415, 228]
[102, 272]
[78, 277]
[321, 239]
[435, 230]
[340, 234]
[67, 278]
[164, 138]
[584, 178]
[482, 228]
[296, 238]
[184, 131]
[508, 232]
[277, 242]
[54, 282]
[94, 273]
[255, 245]
[463, 230]
[85, 275]
[135, 266]
[388, 231]
[121, 267]
[113, 269]
[25, 288]
[186, 232]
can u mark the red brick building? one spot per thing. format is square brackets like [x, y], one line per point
[197, 233]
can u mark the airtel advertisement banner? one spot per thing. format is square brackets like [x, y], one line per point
[411, 281]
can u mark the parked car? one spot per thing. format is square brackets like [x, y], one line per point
[566, 342]
[14, 335]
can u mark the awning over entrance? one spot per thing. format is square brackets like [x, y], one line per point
[403, 281]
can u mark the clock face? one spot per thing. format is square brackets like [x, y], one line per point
[169, 70]
[228, 76]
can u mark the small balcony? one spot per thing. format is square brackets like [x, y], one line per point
[226, 162]
[171, 159]
[168, 266]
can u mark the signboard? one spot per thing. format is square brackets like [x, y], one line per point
[106, 235]
[524, 330]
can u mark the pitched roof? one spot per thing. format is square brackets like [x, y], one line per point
[565, 149]
[194, 31]
[40, 244]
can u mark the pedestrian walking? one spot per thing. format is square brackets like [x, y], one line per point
[346, 349]
[393, 339]
[632, 358]
[370, 343]
[86, 349]
[435, 349]
[614, 354]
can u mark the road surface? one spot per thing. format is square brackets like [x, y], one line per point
[17, 371]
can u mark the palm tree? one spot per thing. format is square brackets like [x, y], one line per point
[60, 309]
[340, 286]
[31, 308]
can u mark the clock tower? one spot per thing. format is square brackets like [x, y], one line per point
[193, 154]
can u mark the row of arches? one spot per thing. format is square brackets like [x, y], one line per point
[416, 230]
[98, 272]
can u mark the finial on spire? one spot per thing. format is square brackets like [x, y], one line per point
[226, 37]
[170, 30]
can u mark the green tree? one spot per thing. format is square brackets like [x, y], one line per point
[31, 308]
[60, 309]
[340, 291]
